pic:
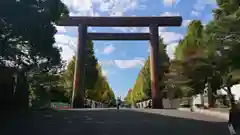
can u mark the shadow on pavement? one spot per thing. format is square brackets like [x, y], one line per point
[108, 122]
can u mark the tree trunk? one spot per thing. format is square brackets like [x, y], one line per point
[192, 103]
[202, 99]
[211, 102]
[231, 98]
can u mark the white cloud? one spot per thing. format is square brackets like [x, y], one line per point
[128, 29]
[116, 14]
[107, 7]
[82, 8]
[142, 7]
[200, 5]
[110, 7]
[134, 29]
[170, 2]
[170, 14]
[169, 37]
[106, 62]
[195, 13]
[96, 50]
[67, 43]
[117, 7]
[104, 72]
[65, 40]
[66, 53]
[210, 2]
[138, 61]
[185, 23]
[124, 64]
[171, 49]
[60, 29]
[108, 49]
[144, 29]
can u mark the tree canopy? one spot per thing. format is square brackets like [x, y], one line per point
[206, 58]
[142, 87]
[27, 32]
[27, 43]
[96, 85]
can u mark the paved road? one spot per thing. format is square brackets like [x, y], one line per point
[115, 122]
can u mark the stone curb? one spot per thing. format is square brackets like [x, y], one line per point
[208, 112]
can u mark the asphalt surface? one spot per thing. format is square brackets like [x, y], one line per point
[114, 122]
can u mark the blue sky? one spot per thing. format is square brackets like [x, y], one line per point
[122, 60]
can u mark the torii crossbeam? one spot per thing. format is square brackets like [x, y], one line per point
[152, 22]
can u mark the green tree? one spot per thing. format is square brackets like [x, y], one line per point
[188, 52]
[27, 38]
[96, 85]
[46, 86]
[224, 36]
[27, 33]
[102, 91]
[142, 88]
[91, 71]
[176, 81]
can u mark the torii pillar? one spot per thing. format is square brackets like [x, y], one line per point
[79, 74]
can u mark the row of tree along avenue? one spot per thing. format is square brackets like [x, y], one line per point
[206, 58]
[27, 45]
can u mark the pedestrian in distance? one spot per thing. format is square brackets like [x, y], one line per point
[118, 102]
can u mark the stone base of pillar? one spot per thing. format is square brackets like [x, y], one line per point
[78, 103]
[157, 104]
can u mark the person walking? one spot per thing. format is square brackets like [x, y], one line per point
[118, 102]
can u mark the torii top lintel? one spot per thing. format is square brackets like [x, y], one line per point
[122, 21]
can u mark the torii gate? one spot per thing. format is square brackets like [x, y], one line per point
[83, 36]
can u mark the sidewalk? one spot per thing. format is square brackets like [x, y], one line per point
[223, 115]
